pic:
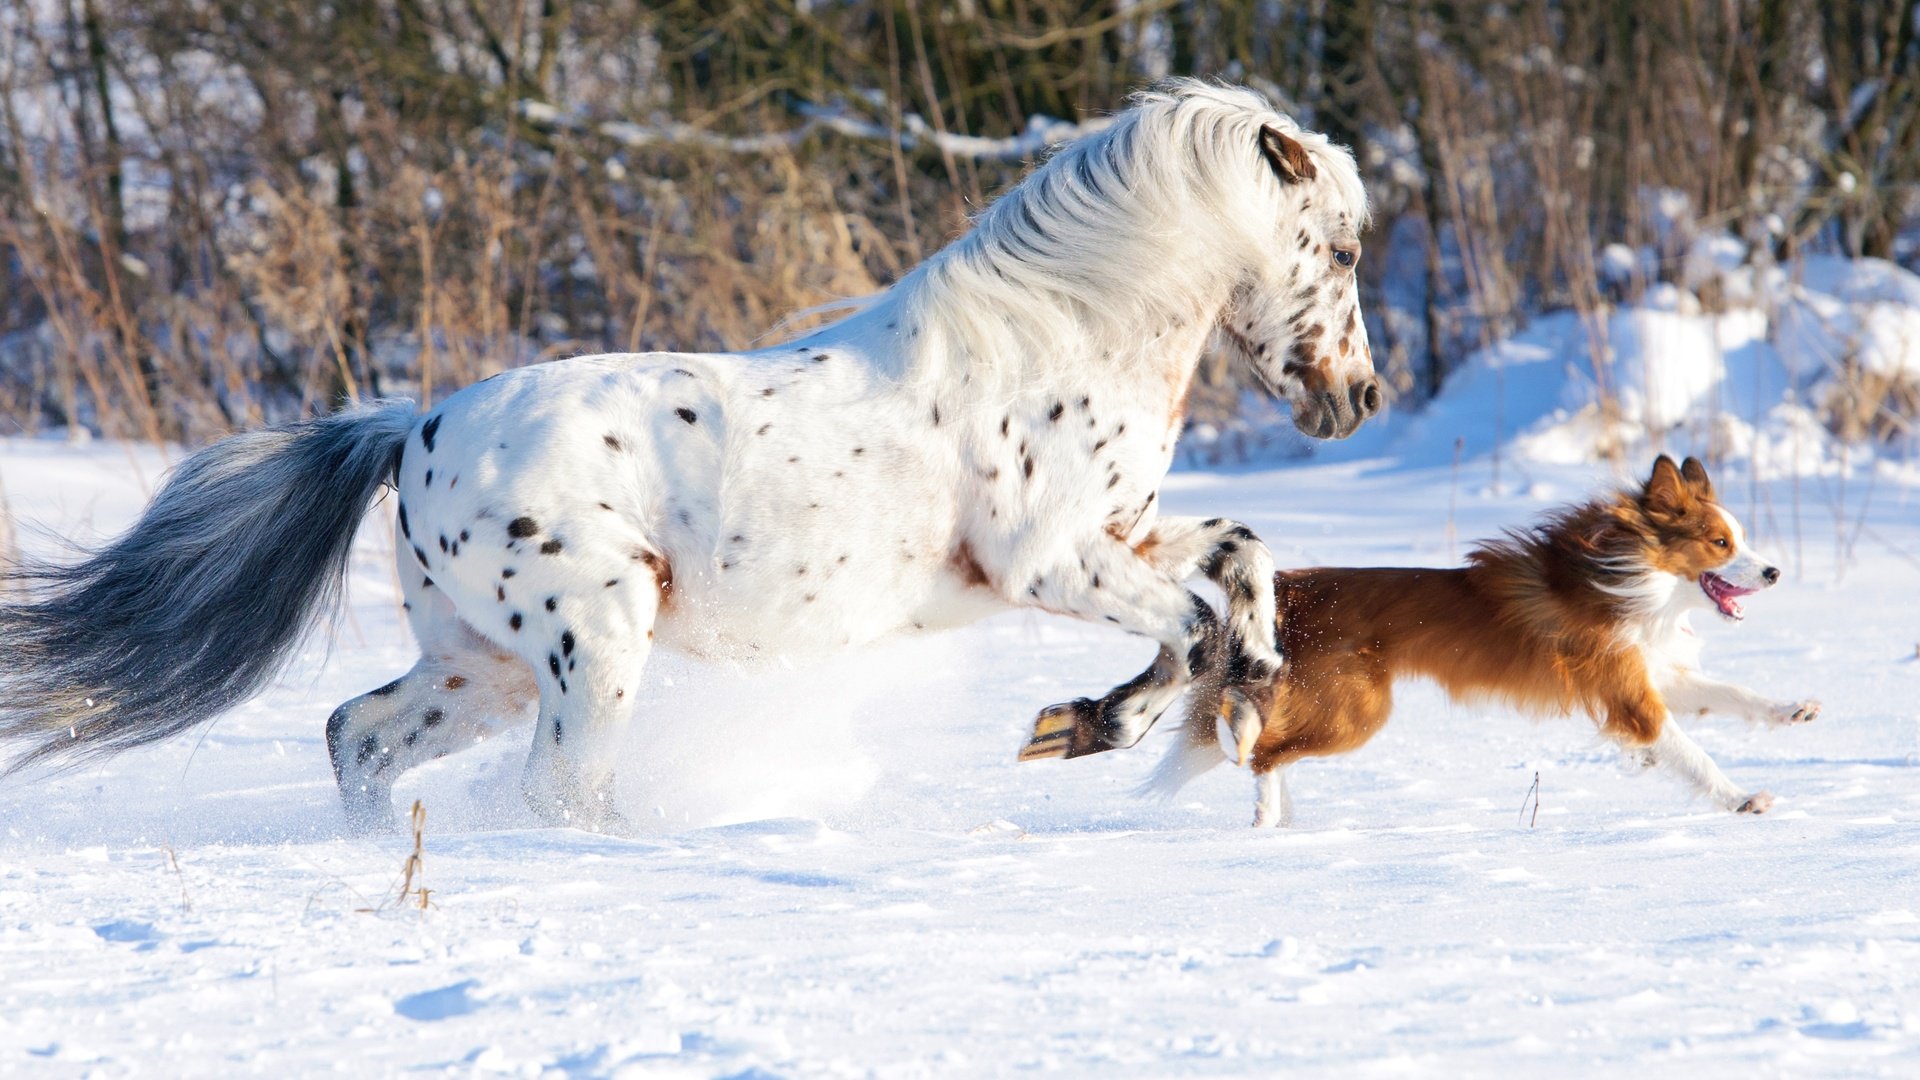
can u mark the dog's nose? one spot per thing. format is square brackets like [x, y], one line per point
[1771, 573]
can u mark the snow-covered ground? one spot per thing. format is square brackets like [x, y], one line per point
[844, 872]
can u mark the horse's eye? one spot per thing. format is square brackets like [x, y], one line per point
[1343, 256]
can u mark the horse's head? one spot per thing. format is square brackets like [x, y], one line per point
[1296, 317]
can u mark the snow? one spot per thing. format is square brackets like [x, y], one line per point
[842, 870]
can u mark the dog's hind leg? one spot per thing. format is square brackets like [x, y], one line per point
[1272, 802]
[1680, 755]
[461, 687]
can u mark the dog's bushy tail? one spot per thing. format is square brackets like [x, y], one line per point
[196, 607]
[1196, 751]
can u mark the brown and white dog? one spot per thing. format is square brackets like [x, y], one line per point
[1585, 612]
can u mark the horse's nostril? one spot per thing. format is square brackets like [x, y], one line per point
[1771, 573]
[1370, 400]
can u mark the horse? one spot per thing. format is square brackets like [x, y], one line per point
[988, 433]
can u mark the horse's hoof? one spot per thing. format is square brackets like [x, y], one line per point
[1066, 731]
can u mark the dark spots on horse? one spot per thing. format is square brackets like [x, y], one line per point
[612, 582]
[662, 573]
[764, 428]
[737, 538]
[385, 691]
[500, 593]
[430, 431]
[809, 598]
[992, 474]
[968, 567]
[1099, 446]
[1121, 430]
[404, 530]
[553, 664]
[427, 481]
[936, 415]
[1112, 480]
[799, 571]
[686, 415]
[1053, 414]
[606, 506]
[858, 450]
[569, 665]
[369, 746]
[558, 727]
[421, 556]
[507, 572]
[514, 621]
[1112, 619]
[841, 560]
[1026, 467]
[839, 474]
[566, 643]
[794, 460]
[552, 602]
[551, 547]
[563, 690]
[612, 442]
[443, 543]
[683, 371]
[1003, 425]
[768, 392]
[819, 358]
[522, 527]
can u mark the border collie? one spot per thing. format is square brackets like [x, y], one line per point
[1585, 612]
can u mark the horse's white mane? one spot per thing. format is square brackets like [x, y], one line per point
[1114, 238]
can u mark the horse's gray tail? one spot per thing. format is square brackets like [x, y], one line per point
[197, 606]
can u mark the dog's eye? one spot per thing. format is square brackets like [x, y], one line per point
[1720, 541]
[1343, 256]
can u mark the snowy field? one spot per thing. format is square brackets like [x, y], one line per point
[844, 872]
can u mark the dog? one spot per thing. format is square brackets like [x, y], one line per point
[1585, 612]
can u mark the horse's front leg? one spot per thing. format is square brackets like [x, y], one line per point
[1228, 554]
[1110, 582]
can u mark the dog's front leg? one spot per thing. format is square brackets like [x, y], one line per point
[1677, 753]
[1693, 692]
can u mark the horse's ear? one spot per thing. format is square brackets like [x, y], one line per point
[1289, 159]
[1696, 475]
[1664, 493]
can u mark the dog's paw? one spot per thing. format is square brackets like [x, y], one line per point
[1757, 803]
[1796, 712]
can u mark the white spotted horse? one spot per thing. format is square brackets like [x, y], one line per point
[988, 433]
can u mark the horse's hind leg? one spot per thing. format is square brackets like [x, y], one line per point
[591, 650]
[456, 691]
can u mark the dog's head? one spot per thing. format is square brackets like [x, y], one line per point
[1685, 532]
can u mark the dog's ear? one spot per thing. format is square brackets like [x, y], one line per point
[1289, 159]
[1666, 490]
[1696, 474]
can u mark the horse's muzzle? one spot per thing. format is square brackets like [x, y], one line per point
[1327, 416]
